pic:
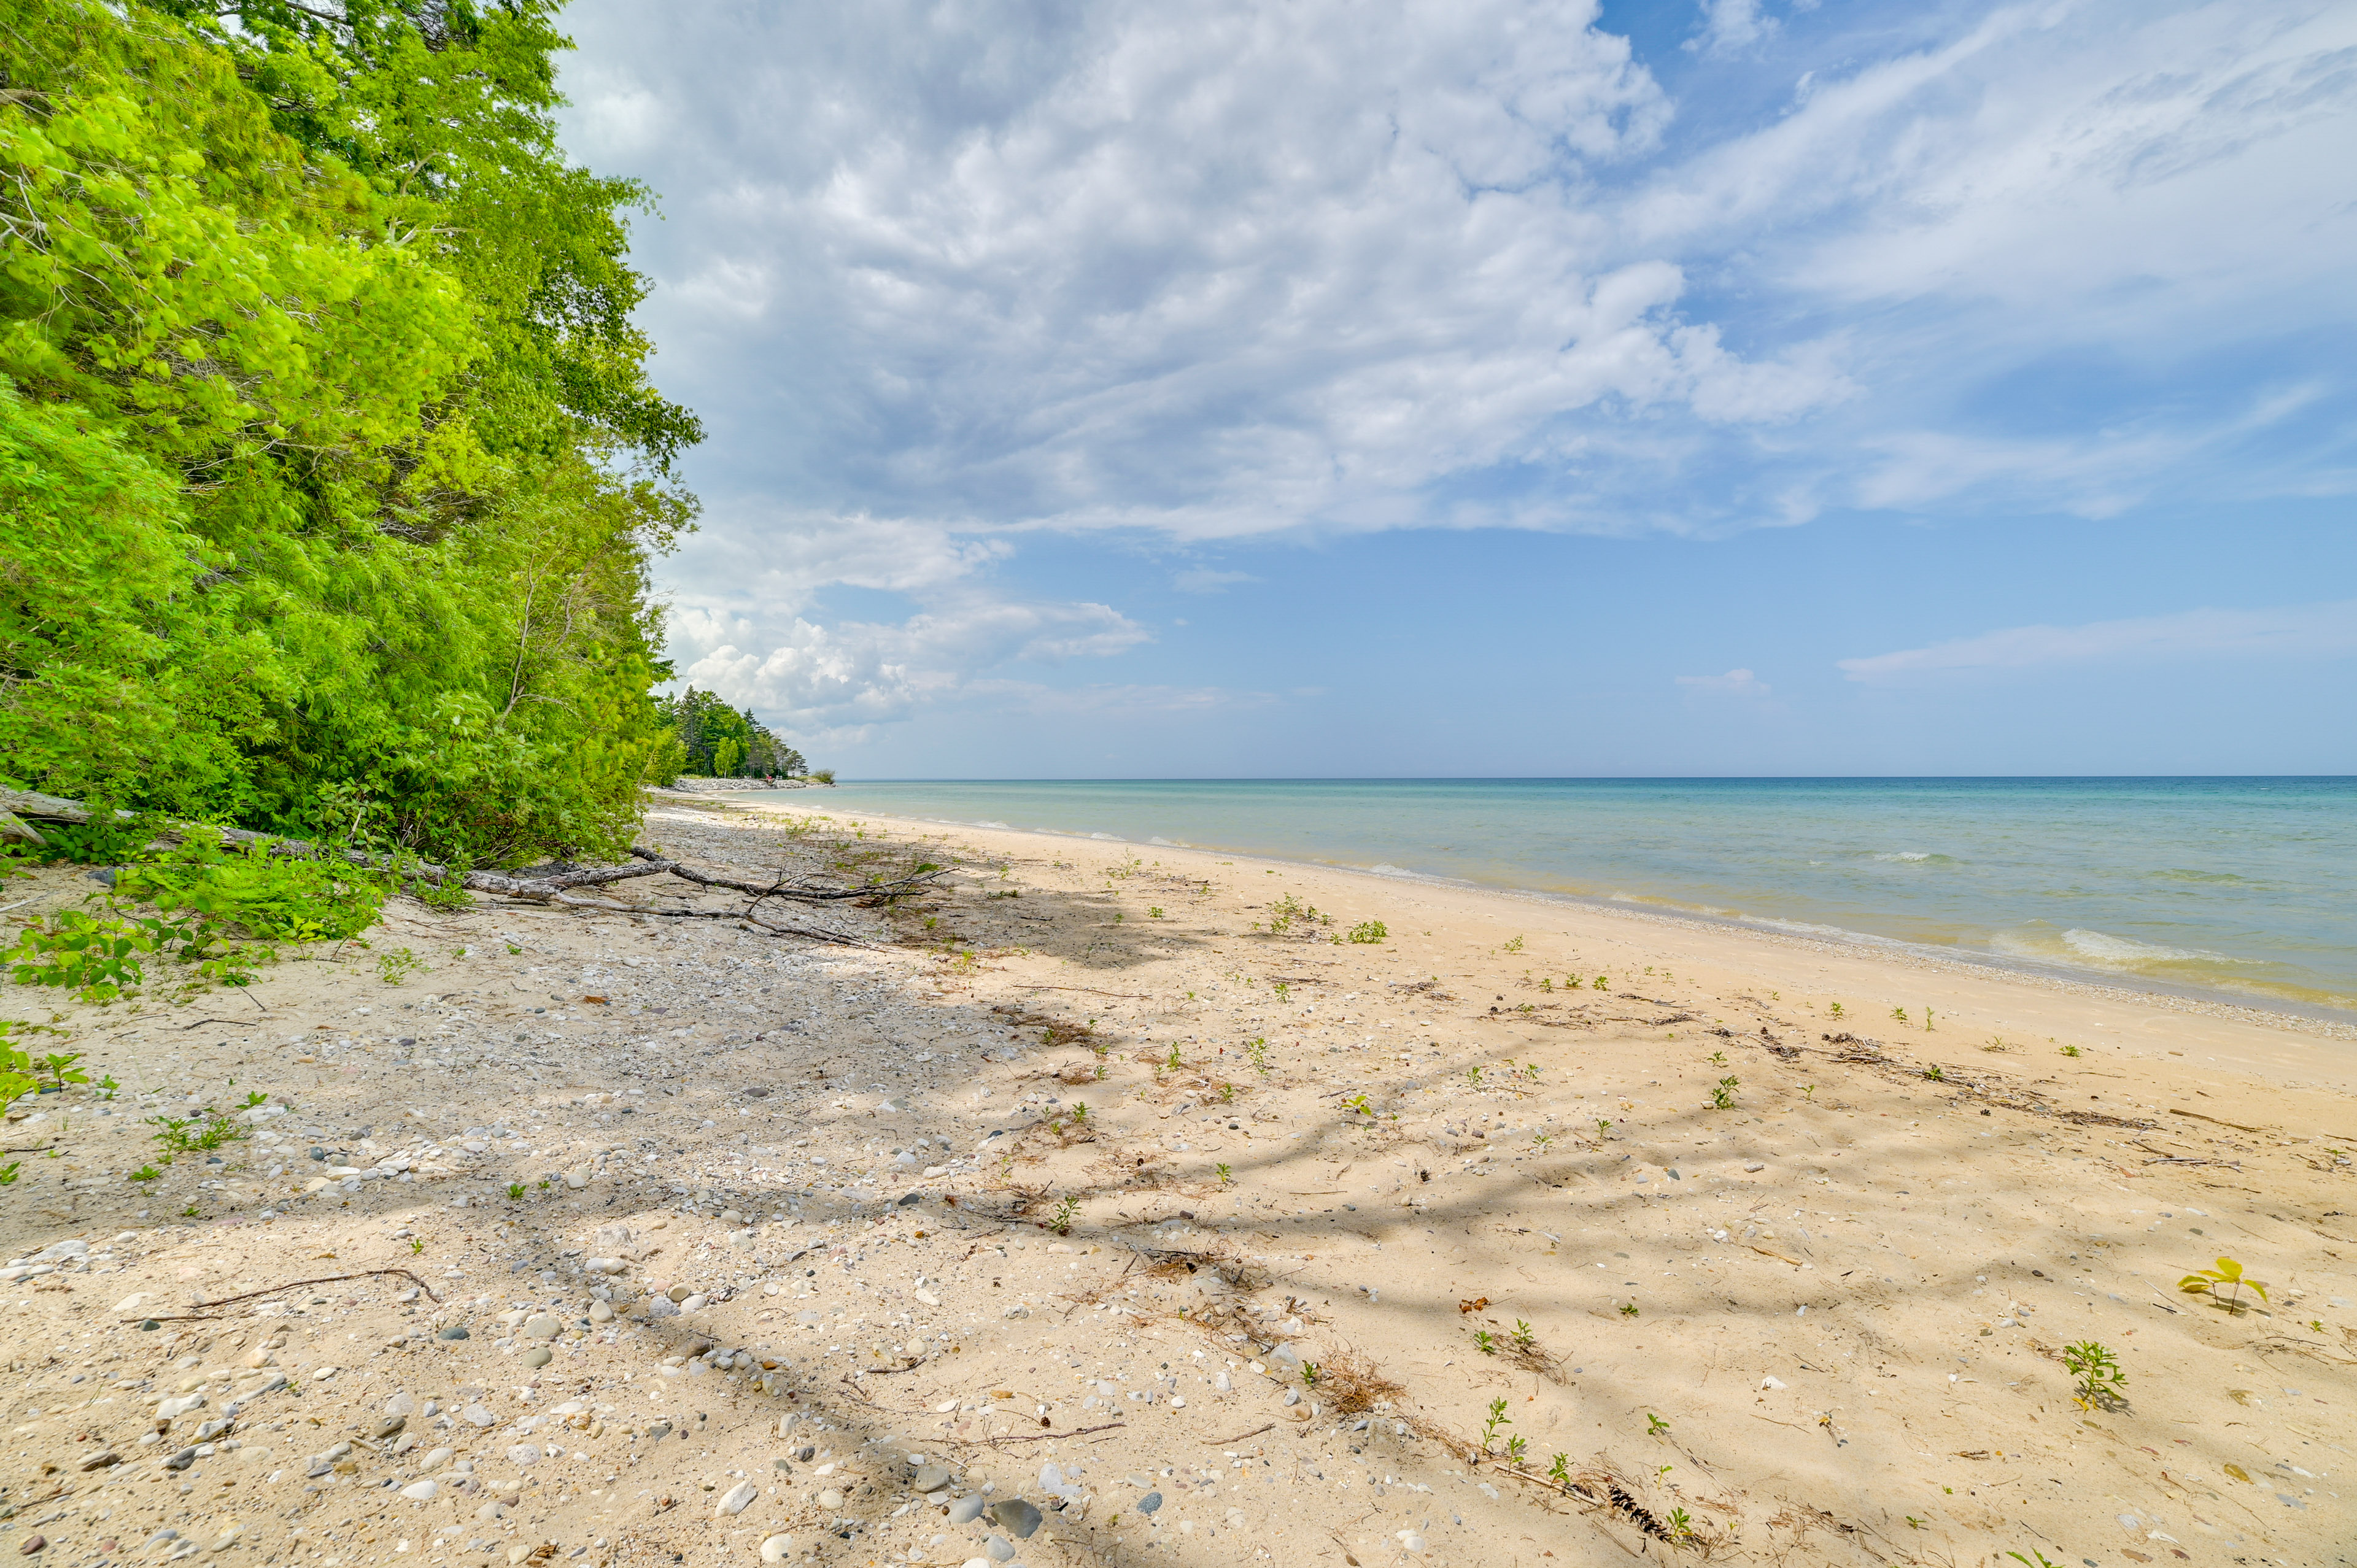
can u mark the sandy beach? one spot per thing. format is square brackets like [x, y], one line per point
[1123, 1205]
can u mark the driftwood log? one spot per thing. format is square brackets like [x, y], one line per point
[21, 807]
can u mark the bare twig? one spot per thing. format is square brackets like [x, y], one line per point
[1255, 1432]
[1050, 1436]
[211, 1306]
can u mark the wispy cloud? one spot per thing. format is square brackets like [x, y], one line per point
[1735, 683]
[2294, 631]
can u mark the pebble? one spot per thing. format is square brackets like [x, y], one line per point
[599, 1311]
[480, 1415]
[930, 1478]
[680, 1292]
[830, 1498]
[965, 1510]
[538, 1356]
[999, 1548]
[455, 1331]
[736, 1499]
[543, 1327]
[523, 1454]
[1015, 1514]
[420, 1491]
[777, 1548]
[1149, 1502]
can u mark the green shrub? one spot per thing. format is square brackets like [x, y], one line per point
[1369, 931]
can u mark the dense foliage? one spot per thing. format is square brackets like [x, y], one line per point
[329, 472]
[711, 740]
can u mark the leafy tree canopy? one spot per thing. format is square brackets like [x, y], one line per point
[330, 470]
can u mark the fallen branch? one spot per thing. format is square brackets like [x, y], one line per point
[544, 889]
[780, 888]
[1255, 1432]
[2213, 1121]
[212, 1306]
[1051, 1436]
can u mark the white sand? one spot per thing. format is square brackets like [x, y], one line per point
[1851, 1286]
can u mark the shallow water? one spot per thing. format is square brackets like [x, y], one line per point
[2232, 884]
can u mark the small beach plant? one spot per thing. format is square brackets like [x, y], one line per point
[2070, 1050]
[1060, 1223]
[1723, 1097]
[2097, 1371]
[2228, 1273]
[1369, 931]
[1935, 1074]
[1836, 1009]
[1498, 1418]
[1485, 1342]
[1560, 1471]
[1900, 1014]
[1654, 1424]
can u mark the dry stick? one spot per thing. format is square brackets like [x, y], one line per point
[290, 1285]
[1255, 1432]
[1051, 1436]
[1124, 995]
[780, 888]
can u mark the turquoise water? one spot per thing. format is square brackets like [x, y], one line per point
[2232, 884]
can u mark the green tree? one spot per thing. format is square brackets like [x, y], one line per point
[332, 471]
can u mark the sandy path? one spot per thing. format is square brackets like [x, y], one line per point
[1819, 1325]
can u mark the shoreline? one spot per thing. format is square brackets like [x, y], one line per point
[1265, 1238]
[2334, 1022]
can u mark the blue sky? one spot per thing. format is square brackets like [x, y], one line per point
[1108, 388]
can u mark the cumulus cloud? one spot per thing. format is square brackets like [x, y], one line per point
[944, 277]
[1208, 271]
[1734, 684]
[1731, 26]
[2294, 632]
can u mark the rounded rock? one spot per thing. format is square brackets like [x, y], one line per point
[1016, 1515]
[538, 1356]
[965, 1510]
[420, 1491]
[777, 1548]
[830, 1498]
[1149, 1502]
[543, 1327]
[999, 1548]
[680, 1292]
[455, 1331]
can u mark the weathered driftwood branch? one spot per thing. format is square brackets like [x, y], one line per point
[551, 890]
[812, 893]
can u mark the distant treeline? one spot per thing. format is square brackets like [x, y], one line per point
[711, 740]
[330, 469]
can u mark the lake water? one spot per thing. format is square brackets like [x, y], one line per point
[2240, 886]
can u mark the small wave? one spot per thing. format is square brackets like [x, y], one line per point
[1916, 857]
[1385, 868]
[2208, 878]
[2104, 948]
[1165, 843]
[1110, 838]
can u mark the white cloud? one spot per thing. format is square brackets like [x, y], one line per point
[1731, 26]
[1734, 684]
[2294, 632]
[1205, 270]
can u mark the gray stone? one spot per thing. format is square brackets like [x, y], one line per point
[1016, 1515]
[930, 1478]
[965, 1510]
[544, 1327]
[1149, 1502]
[999, 1548]
[538, 1356]
[385, 1429]
[455, 1331]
